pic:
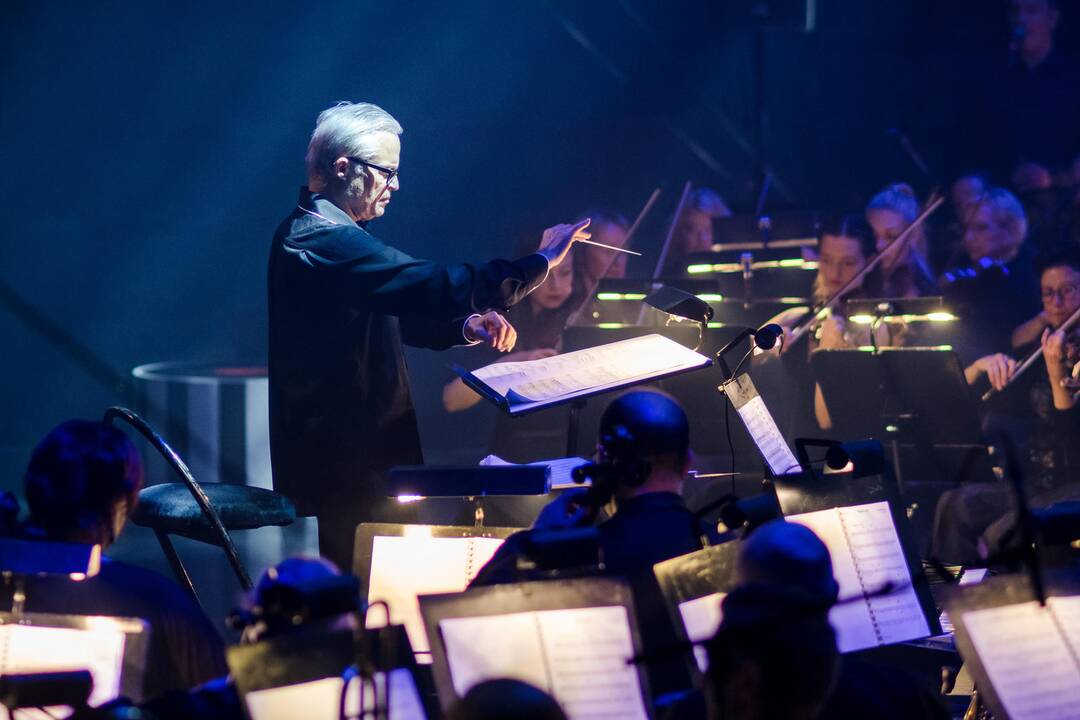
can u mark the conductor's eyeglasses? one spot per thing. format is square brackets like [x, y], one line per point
[1064, 293]
[390, 173]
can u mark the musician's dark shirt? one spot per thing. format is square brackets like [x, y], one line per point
[991, 305]
[341, 303]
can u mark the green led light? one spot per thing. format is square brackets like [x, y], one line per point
[610, 325]
[940, 317]
[620, 296]
[711, 297]
[698, 269]
[861, 319]
[791, 262]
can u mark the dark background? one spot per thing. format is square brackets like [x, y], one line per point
[150, 148]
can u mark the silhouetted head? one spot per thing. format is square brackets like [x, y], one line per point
[775, 653]
[82, 483]
[500, 699]
[649, 428]
[783, 553]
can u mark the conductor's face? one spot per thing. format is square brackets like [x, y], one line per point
[369, 185]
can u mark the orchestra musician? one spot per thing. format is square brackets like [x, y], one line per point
[342, 302]
[694, 229]
[1052, 467]
[905, 271]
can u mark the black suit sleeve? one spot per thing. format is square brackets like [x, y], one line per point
[369, 273]
[432, 333]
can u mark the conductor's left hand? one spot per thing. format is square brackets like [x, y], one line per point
[492, 329]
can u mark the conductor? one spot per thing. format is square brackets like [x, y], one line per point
[341, 303]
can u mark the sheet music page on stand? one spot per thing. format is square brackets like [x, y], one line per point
[555, 377]
[852, 621]
[404, 567]
[33, 648]
[494, 646]
[879, 557]
[322, 698]
[579, 655]
[767, 436]
[1067, 613]
[701, 617]
[1029, 664]
[587, 651]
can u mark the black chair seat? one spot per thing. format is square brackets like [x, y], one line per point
[170, 508]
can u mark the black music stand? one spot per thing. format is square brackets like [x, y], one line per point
[509, 599]
[914, 399]
[701, 576]
[803, 493]
[34, 655]
[998, 592]
[302, 674]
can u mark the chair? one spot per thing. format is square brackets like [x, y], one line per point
[201, 512]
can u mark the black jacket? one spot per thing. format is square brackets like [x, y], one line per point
[341, 303]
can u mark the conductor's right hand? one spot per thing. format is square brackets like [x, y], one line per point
[557, 240]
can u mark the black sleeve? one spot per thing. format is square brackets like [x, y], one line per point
[370, 273]
[432, 333]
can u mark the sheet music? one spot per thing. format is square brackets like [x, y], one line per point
[494, 646]
[579, 655]
[617, 363]
[33, 648]
[879, 557]
[1030, 666]
[866, 554]
[320, 700]
[404, 567]
[766, 435]
[701, 617]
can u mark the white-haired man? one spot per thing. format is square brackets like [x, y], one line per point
[342, 302]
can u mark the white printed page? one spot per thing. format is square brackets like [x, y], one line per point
[1029, 664]
[100, 650]
[879, 559]
[701, 617]
[604, 366]
[767, 436]
[852, 621]
[1066, 611]
[587, 650]
[320, 700]
[494, 646]
[403, 568]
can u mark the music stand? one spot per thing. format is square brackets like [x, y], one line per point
[803, 494]
[693, 586]
[302, 675]
[113, 649]
[607, 608]
[420, 561]
[1026, 652]
[915, 399]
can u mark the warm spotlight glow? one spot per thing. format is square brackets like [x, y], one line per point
[409, 498]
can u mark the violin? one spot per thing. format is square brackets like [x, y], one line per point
[1071, 326]
[822, 311]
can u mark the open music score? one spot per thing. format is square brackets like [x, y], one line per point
[866, 555]
[321, 699]
[402, 568]
[760, 425]
[520, 386]
[578, 655]
[1031, 653]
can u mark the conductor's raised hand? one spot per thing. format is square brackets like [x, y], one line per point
[492, 329]
[557, 240]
